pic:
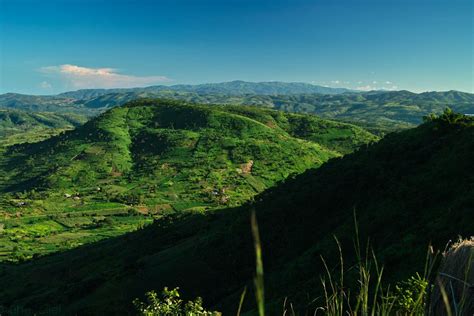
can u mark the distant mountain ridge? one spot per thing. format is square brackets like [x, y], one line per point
[236, 87]
[40, 103]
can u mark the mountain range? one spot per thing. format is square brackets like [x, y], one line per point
[380, 111]
[237, 87]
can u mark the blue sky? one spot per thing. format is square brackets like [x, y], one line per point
[48, 47]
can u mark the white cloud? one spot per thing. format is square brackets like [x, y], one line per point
[45, 85]
[365, 88]
[388, 82]
[371, 88]
[391, 88]
[322, 84]
[374, 82]
[83, 77]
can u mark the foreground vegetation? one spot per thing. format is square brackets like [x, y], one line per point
[442, 289]
[409, 190]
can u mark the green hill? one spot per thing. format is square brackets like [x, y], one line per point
[409, 189]
[20, 126]
[118, 171]
[13, 121]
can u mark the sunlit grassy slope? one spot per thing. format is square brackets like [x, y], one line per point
[148, 158]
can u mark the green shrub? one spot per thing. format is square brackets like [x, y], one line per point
[170, 304]
[411, 295]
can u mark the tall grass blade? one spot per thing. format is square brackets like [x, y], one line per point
[242, 297]
[445, 297]
[259, 290]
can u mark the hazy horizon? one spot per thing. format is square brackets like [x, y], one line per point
[236, 80]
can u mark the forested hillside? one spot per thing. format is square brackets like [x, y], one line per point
[12, 121]
[21, 126]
